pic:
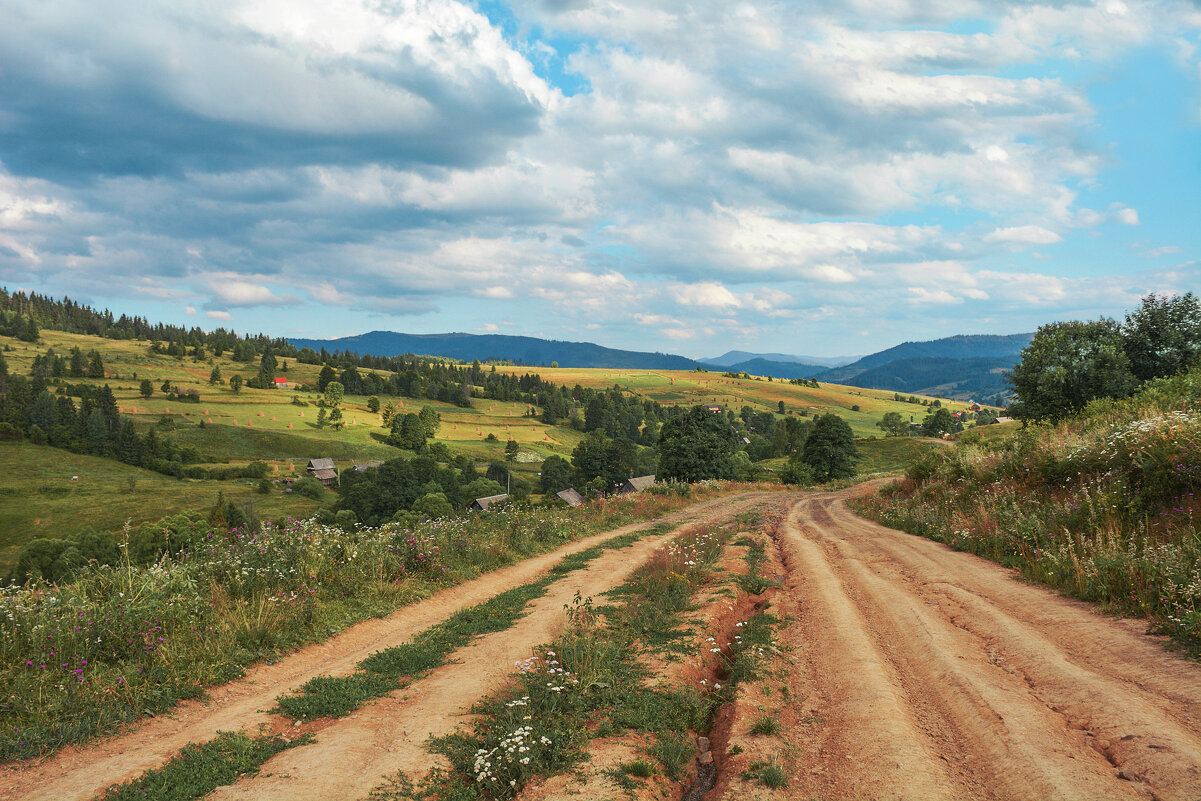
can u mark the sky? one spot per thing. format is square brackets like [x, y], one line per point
[820, 178]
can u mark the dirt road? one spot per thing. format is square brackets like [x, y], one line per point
[82, 772]
[931, 674]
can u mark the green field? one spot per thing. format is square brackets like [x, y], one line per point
[40, 495]
[689, 388]
[264, 424]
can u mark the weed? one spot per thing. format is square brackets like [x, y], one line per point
[640, 768]
[674, 751]
[769, 774]
[766, 726]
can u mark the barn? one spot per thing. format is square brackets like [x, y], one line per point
[637, 484]
[324, 471]
[482, 504]
[570, 497]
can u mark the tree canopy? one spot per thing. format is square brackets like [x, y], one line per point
[830, 449]
[697, 445]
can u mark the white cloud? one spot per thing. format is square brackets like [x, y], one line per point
[189, 310]
[1024, 235]
[244, 293]
[707, 294]
[218, 315]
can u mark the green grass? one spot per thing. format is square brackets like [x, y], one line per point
[766, 726]
[39, 498]
[199, 769]
[769, 774]
[382, 672]
[892, 453]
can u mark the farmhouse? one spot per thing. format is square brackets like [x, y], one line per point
[481, 504]
[715, 408]
[281, 382]
[570, 497]
[324, 471]
[637, 484]
[364, 466]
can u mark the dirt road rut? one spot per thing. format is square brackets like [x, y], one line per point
[932, 674]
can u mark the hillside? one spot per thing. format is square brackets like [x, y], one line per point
[947, 366]
[767, 367]
[980, 379]
[1102, 506]
[733, 357]
[500, 347]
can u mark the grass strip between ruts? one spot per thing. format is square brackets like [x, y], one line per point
[381, 673]
[199, 769]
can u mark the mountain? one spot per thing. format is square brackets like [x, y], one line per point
[961, 367]
[522, 350]
[733, 357]
[964, 346]
[772, 368]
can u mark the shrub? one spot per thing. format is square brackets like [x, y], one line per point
[309, 487]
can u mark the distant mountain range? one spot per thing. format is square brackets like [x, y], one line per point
[523, 350]
[961, 367]
[734, 357]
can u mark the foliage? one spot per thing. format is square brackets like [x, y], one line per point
[696, 445]
[1103, 506]
[830, 449]
[555, 475]
[1162, 336]
[893, 425]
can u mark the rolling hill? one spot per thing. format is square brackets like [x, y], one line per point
[521, 350]
[735, 357]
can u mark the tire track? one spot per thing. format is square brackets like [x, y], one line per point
[81, 772]
[977, 685]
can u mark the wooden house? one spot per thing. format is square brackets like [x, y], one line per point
[637, 484]
[482, 504]
[324, 471]
[570, 497]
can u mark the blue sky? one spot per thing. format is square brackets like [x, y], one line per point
[823, 178]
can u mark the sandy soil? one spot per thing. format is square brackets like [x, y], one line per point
[937, 675]
[82, 772]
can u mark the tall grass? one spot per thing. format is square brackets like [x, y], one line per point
[82, 658]
[1104, 506]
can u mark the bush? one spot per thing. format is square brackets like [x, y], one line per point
[309, 487]
[264, 486]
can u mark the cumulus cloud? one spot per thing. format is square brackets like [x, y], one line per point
[664, 170]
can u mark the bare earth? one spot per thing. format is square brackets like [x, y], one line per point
[938, 675]
[917, 673]
[81, 773]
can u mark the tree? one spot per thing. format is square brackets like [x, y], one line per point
[555, 475]
[334, 393]
[938, 422]
[267, 369]
[1163, 335]
[166, 387]
[893, 425]
[373, 404]
[511, 450]
[830, 449]
[697, 445]
[408, 432]
[430, 419]
[433, 505]
[326, 375]
[235, 383]
[781, 407]
[146, 388]
[95, 365]
[215, 375]
[1067, 365]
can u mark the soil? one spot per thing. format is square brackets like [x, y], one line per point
[83, 772]
[925, 673]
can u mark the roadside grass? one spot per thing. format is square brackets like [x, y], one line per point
[887, 454]
[751, 582]
[590, 683]
[1104, 506]
[383, 672]
[199, 769]
[85, 658]
[770, 774]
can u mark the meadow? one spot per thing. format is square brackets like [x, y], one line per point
[861, 408]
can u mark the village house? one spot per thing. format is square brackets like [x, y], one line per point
[281, 382]
[570, 497]
[482, 504]
[364, 466]
[637, 484]
[324, 471]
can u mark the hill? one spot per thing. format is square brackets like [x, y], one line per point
[733, 357]
[950, 366]
[979, 379]
[500, 347]
[1102, 506]
[775, 369]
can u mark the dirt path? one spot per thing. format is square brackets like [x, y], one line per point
[932, 674]
[81, 773]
